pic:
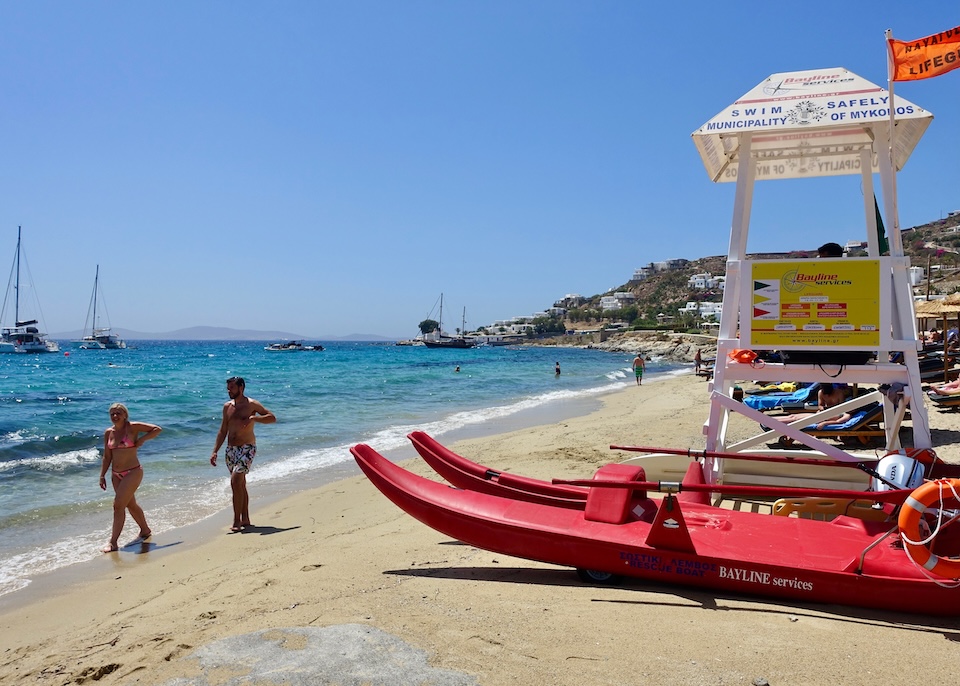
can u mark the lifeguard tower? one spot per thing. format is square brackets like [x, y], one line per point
[837, 319]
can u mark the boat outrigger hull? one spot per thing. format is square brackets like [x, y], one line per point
[466, 474]
[848, 561]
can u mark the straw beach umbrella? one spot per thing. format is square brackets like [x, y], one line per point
[930, 309]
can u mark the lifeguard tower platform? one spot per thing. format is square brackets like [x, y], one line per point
[836, 319]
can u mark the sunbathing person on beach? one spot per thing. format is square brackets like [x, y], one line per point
[829, 395]
[949, 388]
[120, 443]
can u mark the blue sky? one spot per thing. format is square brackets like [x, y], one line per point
[328, 168]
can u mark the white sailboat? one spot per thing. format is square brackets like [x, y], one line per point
[23, 336]
[100, 337]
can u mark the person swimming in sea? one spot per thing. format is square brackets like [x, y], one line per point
[120, 443]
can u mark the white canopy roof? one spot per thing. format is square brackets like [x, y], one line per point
[806, 124]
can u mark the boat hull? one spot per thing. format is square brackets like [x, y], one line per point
[464, 473]
[469, 475]
[737, 552]
[14, 341]
[103, 341]
[456, 344]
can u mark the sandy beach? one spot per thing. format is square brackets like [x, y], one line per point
[343, 556]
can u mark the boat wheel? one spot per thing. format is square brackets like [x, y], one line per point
[592, 576]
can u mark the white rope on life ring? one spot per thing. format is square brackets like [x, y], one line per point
[915, 544]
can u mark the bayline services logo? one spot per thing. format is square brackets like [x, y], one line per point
[795, 280]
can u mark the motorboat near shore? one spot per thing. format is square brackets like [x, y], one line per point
[291, 347]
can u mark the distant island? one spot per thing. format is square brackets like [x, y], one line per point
[222, 333]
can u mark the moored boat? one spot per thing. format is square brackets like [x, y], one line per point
[22, 336]
[459, 342]
[100, 337]
[291, 347]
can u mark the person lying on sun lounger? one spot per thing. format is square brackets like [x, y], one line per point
[949, 388]
[830, 394]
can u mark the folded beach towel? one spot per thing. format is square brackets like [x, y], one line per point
[784, 387]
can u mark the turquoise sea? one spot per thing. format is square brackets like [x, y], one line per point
[53, 410]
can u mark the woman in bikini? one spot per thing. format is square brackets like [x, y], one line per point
[120, 443]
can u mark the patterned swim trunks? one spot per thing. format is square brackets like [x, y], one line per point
[240, 457]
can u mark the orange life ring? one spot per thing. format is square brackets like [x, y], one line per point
[916, 504]
[742, 356]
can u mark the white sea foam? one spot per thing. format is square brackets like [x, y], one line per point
[196, 504]
[18, 437]
[394, 437]
[54, 462]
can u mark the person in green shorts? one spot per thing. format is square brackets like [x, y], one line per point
[638, 368]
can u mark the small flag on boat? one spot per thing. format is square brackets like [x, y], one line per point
[926, 57]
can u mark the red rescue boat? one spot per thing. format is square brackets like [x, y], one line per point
[622, 531]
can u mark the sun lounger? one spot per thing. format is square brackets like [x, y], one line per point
[862, 427]
[947, 401]
[783, 401]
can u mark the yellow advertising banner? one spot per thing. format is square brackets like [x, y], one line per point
[815, 304]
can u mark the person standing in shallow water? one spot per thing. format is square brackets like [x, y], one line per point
[120, 443]
[240, 413]
[556, 369]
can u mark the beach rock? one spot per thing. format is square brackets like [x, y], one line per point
[676, 347]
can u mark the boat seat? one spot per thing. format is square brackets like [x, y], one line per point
[613, 505]
[826, 509]
[694, 477]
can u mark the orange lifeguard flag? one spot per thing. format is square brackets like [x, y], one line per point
[927, 57]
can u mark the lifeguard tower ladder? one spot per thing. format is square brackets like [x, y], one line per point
[823, 122]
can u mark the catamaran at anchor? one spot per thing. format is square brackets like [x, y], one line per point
[100, 337]
[23, 336]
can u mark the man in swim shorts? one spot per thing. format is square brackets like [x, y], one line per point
[638, 367]
[240, 413]
[240, 457]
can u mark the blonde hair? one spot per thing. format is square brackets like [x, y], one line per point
[122, 408]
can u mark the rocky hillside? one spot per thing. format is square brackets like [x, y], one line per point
[936, 243]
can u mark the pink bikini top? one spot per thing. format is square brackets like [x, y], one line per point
[125, 442]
